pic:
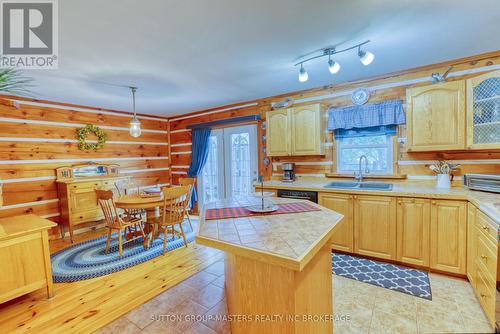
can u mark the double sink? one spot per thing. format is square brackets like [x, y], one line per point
[360, 185]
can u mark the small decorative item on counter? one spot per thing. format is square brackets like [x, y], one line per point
[263, 207]
[444, 170]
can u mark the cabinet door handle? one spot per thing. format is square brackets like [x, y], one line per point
[485, 227]
[484, 257]
[483, 295]
[433, 202]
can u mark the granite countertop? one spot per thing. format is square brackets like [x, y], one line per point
[489, 203]
[288, 240]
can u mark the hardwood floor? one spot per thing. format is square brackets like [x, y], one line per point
[85, 306]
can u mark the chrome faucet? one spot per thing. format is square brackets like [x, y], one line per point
[359, 176]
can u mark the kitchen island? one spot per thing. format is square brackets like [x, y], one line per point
[278, 271]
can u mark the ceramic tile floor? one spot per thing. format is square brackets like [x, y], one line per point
[359, 308]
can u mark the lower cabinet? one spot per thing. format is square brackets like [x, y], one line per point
[375, 226]
[448, 236]
[413, 228]
[343, 238]
[482, 246]
[416, 231]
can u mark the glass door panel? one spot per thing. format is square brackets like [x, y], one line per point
[211, 187]
[231, 166]
[240, 159]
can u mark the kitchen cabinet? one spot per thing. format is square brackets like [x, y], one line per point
[484, 257]
[296, 131]
[436, 117]
[483, 111]
[375, 226]
[448, 236]
[25, 256]
[277, 138]
[413, 228]
[343, 236]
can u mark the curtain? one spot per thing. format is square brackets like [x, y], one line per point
[199, 155]
[373, 115]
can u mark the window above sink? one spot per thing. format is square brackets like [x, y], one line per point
[378, 149]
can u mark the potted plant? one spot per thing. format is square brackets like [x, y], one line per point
[12, 81]
[443, 169]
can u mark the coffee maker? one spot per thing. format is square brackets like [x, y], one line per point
[288, 172]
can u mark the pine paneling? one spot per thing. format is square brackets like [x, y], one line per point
[28, 196]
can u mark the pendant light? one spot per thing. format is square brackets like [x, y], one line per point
[135, 124]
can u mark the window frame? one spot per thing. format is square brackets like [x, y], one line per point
[391, 154]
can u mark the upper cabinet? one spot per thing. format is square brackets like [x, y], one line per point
[436, 117]
[296, 131]
[483, 111]
[278, 131]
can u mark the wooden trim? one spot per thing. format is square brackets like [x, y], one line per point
[213, 111]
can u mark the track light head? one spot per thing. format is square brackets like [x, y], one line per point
[303, 76]
[366, 57]
[333, 66]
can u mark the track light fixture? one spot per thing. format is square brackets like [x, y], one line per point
[303, 76]
[365, 57]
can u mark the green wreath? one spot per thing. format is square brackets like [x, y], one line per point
[81, 135]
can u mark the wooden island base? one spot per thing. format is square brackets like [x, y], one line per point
[257, 290]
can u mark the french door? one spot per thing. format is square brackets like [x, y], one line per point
[231, 167]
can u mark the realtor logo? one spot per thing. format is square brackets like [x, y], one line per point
[29, 34]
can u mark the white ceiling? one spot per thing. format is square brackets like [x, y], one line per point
[187, 55]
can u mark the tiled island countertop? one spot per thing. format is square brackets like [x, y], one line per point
[489, 203]
[277, 268]
[288, 240]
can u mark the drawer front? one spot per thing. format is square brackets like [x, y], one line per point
[86, 185]
[486, 292]
[87, 216]
[83, 200]
[486, 226]
[486, 254]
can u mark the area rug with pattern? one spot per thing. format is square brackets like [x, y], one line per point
[87, 259]
[410, 281]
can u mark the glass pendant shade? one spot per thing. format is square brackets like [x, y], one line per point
[303, 76]
[135, 124]
[333, 66]
[366, 57]
[135, 127]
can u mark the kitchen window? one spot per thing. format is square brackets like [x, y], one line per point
[378, 149]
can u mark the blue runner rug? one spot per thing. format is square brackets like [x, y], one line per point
[410, 281]
[87, 259]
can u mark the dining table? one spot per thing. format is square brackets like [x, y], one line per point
[150, 203]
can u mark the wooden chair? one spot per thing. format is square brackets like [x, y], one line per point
[185, 181]
[114, 222]
[127, 187]
[174, 205]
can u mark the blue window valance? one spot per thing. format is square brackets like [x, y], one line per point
[385, 113]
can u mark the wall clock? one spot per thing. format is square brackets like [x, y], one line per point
[360, 96]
